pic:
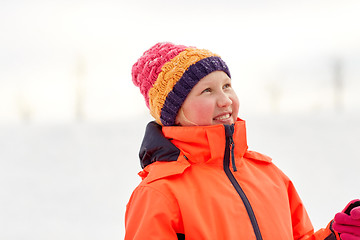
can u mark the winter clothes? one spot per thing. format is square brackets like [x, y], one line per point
[202, 183]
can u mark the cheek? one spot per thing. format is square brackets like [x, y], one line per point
[199, 110]
[235, 101]
[236, 105]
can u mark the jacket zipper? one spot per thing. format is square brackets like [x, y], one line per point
[229, 130]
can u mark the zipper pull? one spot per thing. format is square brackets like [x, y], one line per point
[229, 131]
[232, 146]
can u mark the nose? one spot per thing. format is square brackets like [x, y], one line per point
[224, 100]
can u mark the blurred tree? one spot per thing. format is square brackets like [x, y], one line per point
[338, 85]
[274, 90]
[23, 106]
[80, 89]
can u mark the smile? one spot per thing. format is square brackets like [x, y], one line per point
[223, 117]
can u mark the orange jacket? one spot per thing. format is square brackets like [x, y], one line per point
[205, 184]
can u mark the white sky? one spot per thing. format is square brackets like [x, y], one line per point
[286, 46]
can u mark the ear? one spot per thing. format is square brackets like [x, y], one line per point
[177, 122]
[177, 119]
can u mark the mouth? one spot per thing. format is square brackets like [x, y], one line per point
[223, 117]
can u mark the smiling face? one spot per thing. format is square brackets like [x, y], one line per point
[211, 101]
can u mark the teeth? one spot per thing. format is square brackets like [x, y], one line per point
[223, 117]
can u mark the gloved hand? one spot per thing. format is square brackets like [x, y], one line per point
[347, 222]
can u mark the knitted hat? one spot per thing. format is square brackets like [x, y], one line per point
[166, 73]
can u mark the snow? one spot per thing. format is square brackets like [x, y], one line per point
[72, 181]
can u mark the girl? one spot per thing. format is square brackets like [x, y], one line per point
[200, 181]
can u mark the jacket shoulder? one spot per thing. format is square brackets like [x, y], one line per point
[257, 156]
[160, 170]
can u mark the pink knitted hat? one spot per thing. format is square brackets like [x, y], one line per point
[166, 73]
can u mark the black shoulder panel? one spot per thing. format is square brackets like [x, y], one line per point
[155, 147]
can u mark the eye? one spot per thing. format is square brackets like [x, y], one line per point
[227, 85]
[206, 90]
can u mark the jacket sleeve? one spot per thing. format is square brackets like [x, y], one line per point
[151, 215]
[302, 227]
[323, 234]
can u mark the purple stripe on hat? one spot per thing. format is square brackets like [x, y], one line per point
[182, 88]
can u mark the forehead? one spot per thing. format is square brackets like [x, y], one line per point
[216, 76]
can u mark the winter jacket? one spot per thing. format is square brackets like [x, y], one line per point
[203, 183]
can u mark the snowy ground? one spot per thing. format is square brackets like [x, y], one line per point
[72, 181]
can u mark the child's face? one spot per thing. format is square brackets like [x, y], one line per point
[211, 101]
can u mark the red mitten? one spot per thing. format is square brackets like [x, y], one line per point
[347, 222]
